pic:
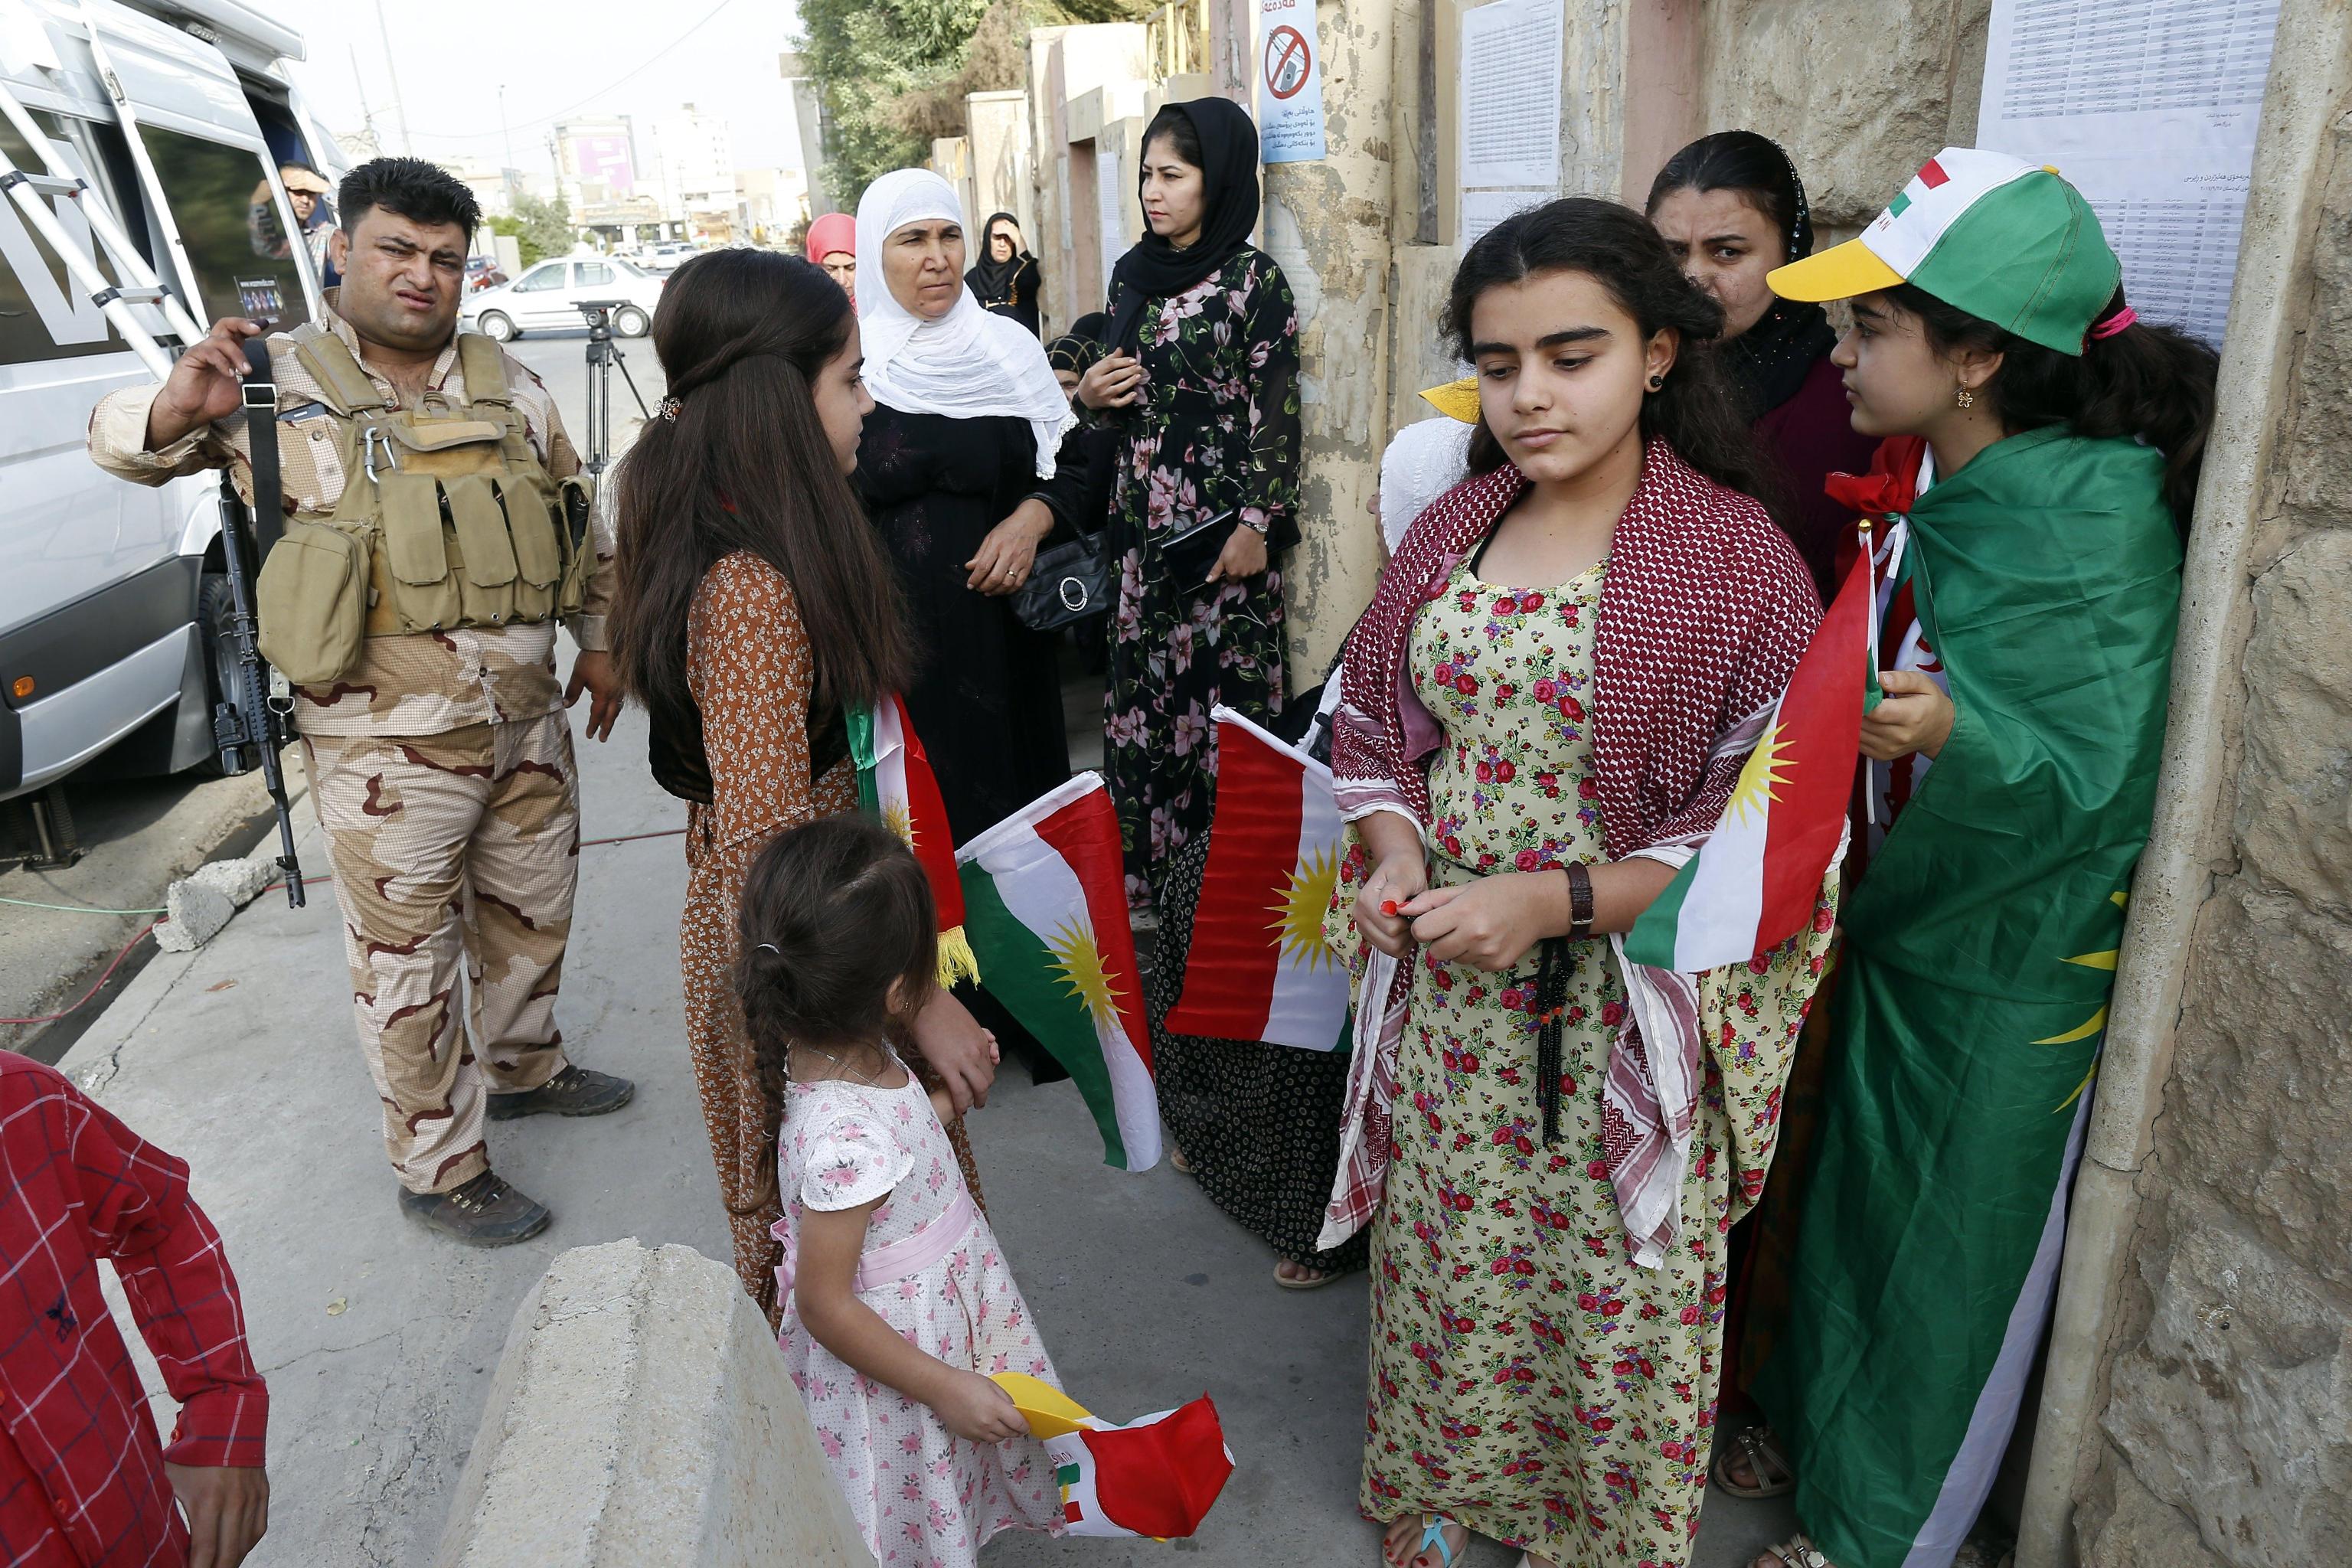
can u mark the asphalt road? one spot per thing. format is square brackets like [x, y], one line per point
[140, 834]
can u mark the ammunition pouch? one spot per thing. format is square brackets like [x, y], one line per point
[447, 520]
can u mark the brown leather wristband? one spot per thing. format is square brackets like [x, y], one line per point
[1580, 900]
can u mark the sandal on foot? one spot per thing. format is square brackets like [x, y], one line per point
[1322, 1277]
[1176, 1158]
[1797, 1552]
[1433, 1527]
[1775, 1477]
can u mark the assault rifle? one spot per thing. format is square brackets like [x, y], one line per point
[254, 721]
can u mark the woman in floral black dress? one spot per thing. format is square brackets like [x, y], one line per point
[1203, 384]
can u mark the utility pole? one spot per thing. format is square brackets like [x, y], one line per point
[367, 115]
[506, 134]
[399, 105]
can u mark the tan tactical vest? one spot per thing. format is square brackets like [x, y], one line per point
[448, 519]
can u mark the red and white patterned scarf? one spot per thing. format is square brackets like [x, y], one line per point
[1703, 611]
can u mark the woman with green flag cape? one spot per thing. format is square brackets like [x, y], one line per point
[2031, 508]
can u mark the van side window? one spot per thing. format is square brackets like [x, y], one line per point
[43, 314]
[220, 197]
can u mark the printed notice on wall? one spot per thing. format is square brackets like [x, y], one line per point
[1290, 82]
[2150, 108]
[1508, 132]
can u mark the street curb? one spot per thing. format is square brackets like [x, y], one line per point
[61, 1042]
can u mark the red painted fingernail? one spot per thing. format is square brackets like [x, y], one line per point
[1388, 906]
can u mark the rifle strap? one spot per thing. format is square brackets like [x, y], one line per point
[261, 436]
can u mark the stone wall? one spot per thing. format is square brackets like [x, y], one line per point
[2225, 1435]
[1858, 91]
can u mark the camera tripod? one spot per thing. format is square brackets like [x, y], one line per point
[603, 354]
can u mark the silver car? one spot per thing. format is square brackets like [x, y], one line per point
[548, 296]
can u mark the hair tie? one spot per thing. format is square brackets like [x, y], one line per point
[770, 947]
[667, 409]
[2115, 323]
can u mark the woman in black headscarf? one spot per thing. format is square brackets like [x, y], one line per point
[1008, 279]
[1201, 384]
[1732, 209]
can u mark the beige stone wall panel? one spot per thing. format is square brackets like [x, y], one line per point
[1859, 92]
[2255, 1113]
[2293, 826]
[2230, 1408]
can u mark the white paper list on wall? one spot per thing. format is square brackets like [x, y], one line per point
[1110, 206]
[2150, 108]
[1508, 129]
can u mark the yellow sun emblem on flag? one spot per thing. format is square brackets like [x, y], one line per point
[1297, 923]
[901, 821]
[1761, 776]
[2104, 959]
[1083, 969]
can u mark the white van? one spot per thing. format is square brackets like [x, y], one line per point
[110, 593]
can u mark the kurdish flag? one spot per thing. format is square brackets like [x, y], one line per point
[1045, 898]
[894, 783]
[1755, 881]
[1157, 1477]
[1258, 968]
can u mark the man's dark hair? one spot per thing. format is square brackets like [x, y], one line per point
[418, 191]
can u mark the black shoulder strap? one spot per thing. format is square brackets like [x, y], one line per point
[261, 436]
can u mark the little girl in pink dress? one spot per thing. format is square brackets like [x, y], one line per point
[896, 1299]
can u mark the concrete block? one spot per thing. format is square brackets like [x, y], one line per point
[641, 1414]
[240, 882]
[195, 913]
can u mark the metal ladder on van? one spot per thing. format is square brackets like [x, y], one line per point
[32, 193]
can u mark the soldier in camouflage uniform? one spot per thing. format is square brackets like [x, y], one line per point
[440, 764]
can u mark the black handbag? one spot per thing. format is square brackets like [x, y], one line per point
[1068, 584]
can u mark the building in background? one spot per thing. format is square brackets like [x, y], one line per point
[814, 124]
[494, 187]
[597, 173]
[769, 204]
[695, 155]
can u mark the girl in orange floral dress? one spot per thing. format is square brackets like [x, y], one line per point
[755, 608]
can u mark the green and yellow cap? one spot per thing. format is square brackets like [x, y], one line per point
[2005, 240]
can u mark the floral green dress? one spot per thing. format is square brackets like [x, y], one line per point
[1526, 1379]
[1218, 431]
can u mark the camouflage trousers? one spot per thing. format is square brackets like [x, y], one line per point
[461, 847]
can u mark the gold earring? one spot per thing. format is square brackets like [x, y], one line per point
[1967, 399]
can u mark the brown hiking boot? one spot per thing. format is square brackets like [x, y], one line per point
[484, 1211]
[574, 1091]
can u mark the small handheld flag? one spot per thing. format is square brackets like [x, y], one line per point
[894, 783]
[1758, 876]
[1156, 1477]
[1258, 968]
[1044, 900]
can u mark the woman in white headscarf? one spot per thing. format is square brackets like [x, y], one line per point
[957, 471]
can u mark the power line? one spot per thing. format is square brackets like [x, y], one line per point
[634, 71]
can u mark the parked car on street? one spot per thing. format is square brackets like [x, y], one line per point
[114, 600]
[550, 295]
[669, 255]
[483, 272]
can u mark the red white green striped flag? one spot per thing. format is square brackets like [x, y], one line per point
[1258, 968]
[894, 783]
[1044, 897]
[1758, 878]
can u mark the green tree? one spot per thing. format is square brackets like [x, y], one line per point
[540, 229]
[895, 72]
